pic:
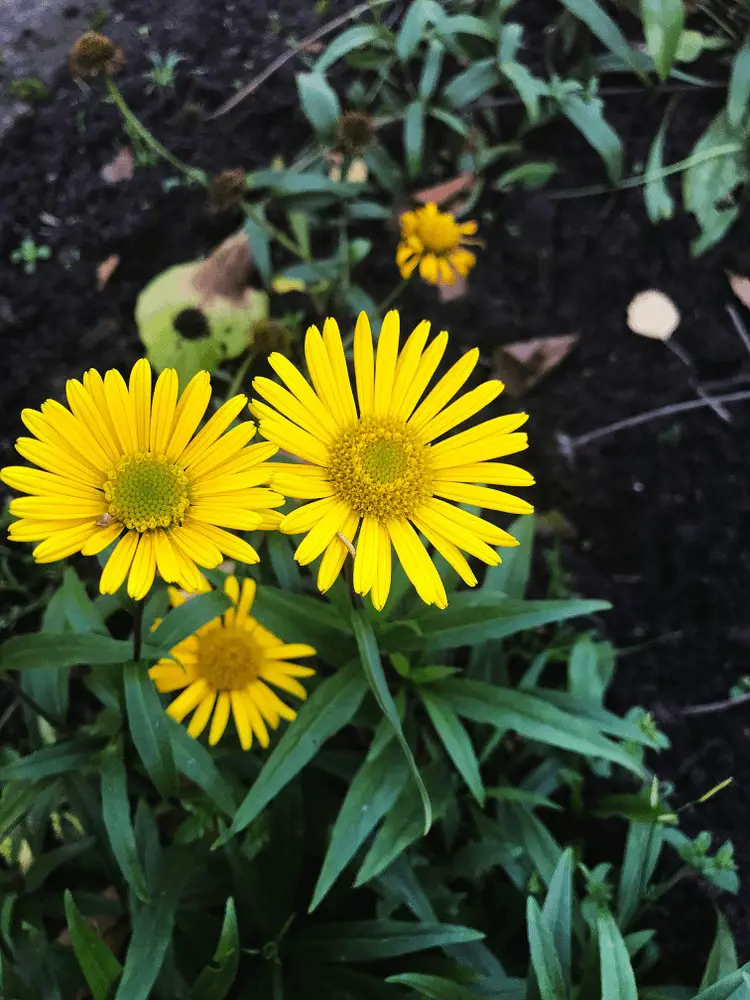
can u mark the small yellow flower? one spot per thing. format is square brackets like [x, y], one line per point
[116, 462]
[389, 468]
[437, 243]
[230, 663]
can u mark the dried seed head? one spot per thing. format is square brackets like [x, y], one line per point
[355, 132]
[226, 191]
[268, 335]
[95, 55]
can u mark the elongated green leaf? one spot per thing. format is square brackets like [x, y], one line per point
[642, 851]
[466, 24]
[544, 958]
[369, 656]
[282, 560]
[583, 676]
[319, 101]
[370, 940]
[617, 976]
[511, 576]
[119, 825]
[196, 763]
[63, 649]
[152, 929]
[414, 137]
[356, 37]
[299, 618]
[260, 243]
[216, 980]
[557, 912]
[739, 87]
[17, 800]
[372, 793]
[80, 610]
[57, 758]
[718, 168]
[731, 987]
[48, 862]
[433, 987]
[412, 30]
[99, 966]
[466, 623]
[285, 183]
[530, 717]
[659, 202]
[588, 118]
[431, 69]
[601, 24]
[456, 741]
[532, 175]
[188, 617]
[327, 711]
[722, 961]
[148, 726]
[472, 83]
[663, 21]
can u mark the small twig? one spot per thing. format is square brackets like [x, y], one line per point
[569, 444]
[284, 58]
[716, 706]
[684, 357]
[739, 327]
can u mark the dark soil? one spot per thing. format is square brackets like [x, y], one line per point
[661, 512]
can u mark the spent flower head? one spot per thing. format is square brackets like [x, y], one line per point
[226, 191]
[355, 132]
[95, 55]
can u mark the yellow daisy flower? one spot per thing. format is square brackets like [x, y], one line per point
[230, 663]
[437, 243]
[116, 462]
[380, 468]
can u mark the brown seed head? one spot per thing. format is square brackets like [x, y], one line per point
[268, 335]
[355, 132]
[226, 191]
[95, 55]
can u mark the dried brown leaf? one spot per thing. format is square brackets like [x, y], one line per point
[741, 287]
[524, 364]
[445, 192]
[120, 169]
[226, 271]
[106, 269]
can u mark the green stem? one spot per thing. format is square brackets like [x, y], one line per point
[138, 629]
[393, 295]
[235, 385]
[134, 123]
[274, 232]
[634, 182]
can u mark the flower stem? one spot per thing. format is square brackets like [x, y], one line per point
[393, 295]
[235, 386]
[138, 629]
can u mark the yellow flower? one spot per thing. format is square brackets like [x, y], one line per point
[117, 461]
[230, 662]
[378, 468]
[437, 243]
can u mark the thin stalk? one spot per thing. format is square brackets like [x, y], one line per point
[235, 385]
[138, 629]
[393, 295]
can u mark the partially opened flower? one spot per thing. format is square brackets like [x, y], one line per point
[232, 663]
[119, 464]
[437, 243]
[389, 467]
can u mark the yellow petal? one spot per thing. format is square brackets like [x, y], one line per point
[241, 721]
[55, 460]
[382, 584]
[255, 719]
[121, 410]
[364, 364]
[118, 564]
[163, 410]
[202, 714]
[366, 558]
[335, 554]
[143, 570]
[417, 564]
[449, 552]
[62, 544]
[189, 413]
[214, 427]
[461, 410]
[335, 348]
[385, 362]
[299, 387]
[321, 374]
[403, 405]
[445, 390]
[140, 396]
[486, 440]
[185, 703]
[220, 719]
[481, 496]
[321, 534]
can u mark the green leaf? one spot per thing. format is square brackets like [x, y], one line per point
[299, 618]
[433, 987]
[511, 576]
[152, 929]
[528, 87]
[281, 554]
[196, 763]
[731, 987]
[583, 675]
[605, 29]
[371, 795]
[456, 741]
[319, 101]
[81, 612]
[588, 118]
[722, 961]
[259, 240]
[148, 725]
[18, 799]
[472, 83]
[531, 717]
[414, 137]
[100, 968]
[532, 175]
[369, 656]
[663, 21]
[119, 825]
[57, 758]
[414, 24]
[470, 619]
[431, 69]
[544, 958]
[357, 37]
[557, 912]
[659, 202]
[216, 980]
[642, 851]
[328, 710]
[188, 617]
[617, 977]
[739, 87]
[63, 649]
[46, 863]
[305, 183]
[370, 940]
[718, 167]
[466, 24]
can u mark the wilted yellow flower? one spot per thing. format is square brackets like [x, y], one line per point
[436, 242]
[377, 468]
[117, 461]
[232, 662]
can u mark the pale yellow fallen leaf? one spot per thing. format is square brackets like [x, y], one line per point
[653, 314]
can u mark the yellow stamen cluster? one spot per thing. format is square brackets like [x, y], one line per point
[228, 658]
[145, 491]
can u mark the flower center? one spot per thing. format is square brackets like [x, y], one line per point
[146, 491]
[228, 658]
[439, 233]
[380, 469]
